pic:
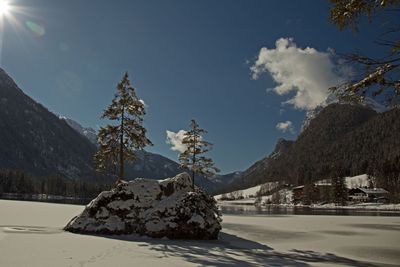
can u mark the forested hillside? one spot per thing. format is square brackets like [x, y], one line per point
[342, 140]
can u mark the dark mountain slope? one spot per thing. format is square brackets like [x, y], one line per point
[342, 138]
[252, 176]
[348, 139]
[371, 146]
[148, 164]
[152, 166]
[34, 140]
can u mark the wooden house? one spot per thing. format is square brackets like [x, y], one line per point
[298, 193]
[320, 192]
[368, 195]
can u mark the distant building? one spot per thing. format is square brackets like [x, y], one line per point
[368, 195]
[298, 193]
[320, 192]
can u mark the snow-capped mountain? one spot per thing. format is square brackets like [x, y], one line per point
[87, 132]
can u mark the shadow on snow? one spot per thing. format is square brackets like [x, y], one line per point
[231, 250]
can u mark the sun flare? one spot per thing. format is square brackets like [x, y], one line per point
[4, 7]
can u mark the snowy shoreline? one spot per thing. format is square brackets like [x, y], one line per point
[257, 196]
[329, 206]
[363, 206]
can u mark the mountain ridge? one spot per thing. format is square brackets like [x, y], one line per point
[35, 140]
[342, 138]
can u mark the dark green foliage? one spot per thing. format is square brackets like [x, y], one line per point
[352, 138]
[309, 193]
[345, 13]
[119, 143]
[192, 159]
[18, 182]
[387, 176]
[339, 188]
[326, 142]
[324, 194]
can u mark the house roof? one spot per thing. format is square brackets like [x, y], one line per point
[323, 184]
[374, 191]
[298, 187]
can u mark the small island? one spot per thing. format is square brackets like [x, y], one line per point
[167, 208]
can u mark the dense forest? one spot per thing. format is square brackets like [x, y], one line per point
[342, 140]
[18, 182]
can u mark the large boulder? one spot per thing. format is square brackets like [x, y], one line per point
[166, 208]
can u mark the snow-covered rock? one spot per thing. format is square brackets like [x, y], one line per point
[166, 208]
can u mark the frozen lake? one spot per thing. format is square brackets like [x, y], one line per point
[226, 208]
[282, 210]
[31, 235]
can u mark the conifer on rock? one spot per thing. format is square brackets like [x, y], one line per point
[118, 143]
[192, 159]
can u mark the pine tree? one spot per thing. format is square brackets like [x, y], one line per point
[118, 143]
[339, 190]
[192, 158]
[308, 191]
[371, 182]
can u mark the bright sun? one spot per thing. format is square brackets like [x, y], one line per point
[4, 7]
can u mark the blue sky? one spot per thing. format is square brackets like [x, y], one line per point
[187, 59]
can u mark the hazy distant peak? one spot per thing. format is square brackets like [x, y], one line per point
[87, 132]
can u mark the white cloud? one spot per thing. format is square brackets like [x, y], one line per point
[175, 140]
[306, 72]
[286, 126]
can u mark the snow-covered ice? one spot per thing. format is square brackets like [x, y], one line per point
[31, 235]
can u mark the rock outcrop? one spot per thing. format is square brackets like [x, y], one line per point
[166, 208]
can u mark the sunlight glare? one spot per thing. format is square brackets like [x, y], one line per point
[4, 7]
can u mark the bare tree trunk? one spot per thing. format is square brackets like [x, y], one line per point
[121, 150]
[193, 172]
[193, 180]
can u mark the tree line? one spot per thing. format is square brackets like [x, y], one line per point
[18, 182]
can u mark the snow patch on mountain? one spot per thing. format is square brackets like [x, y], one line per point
[331, 99]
